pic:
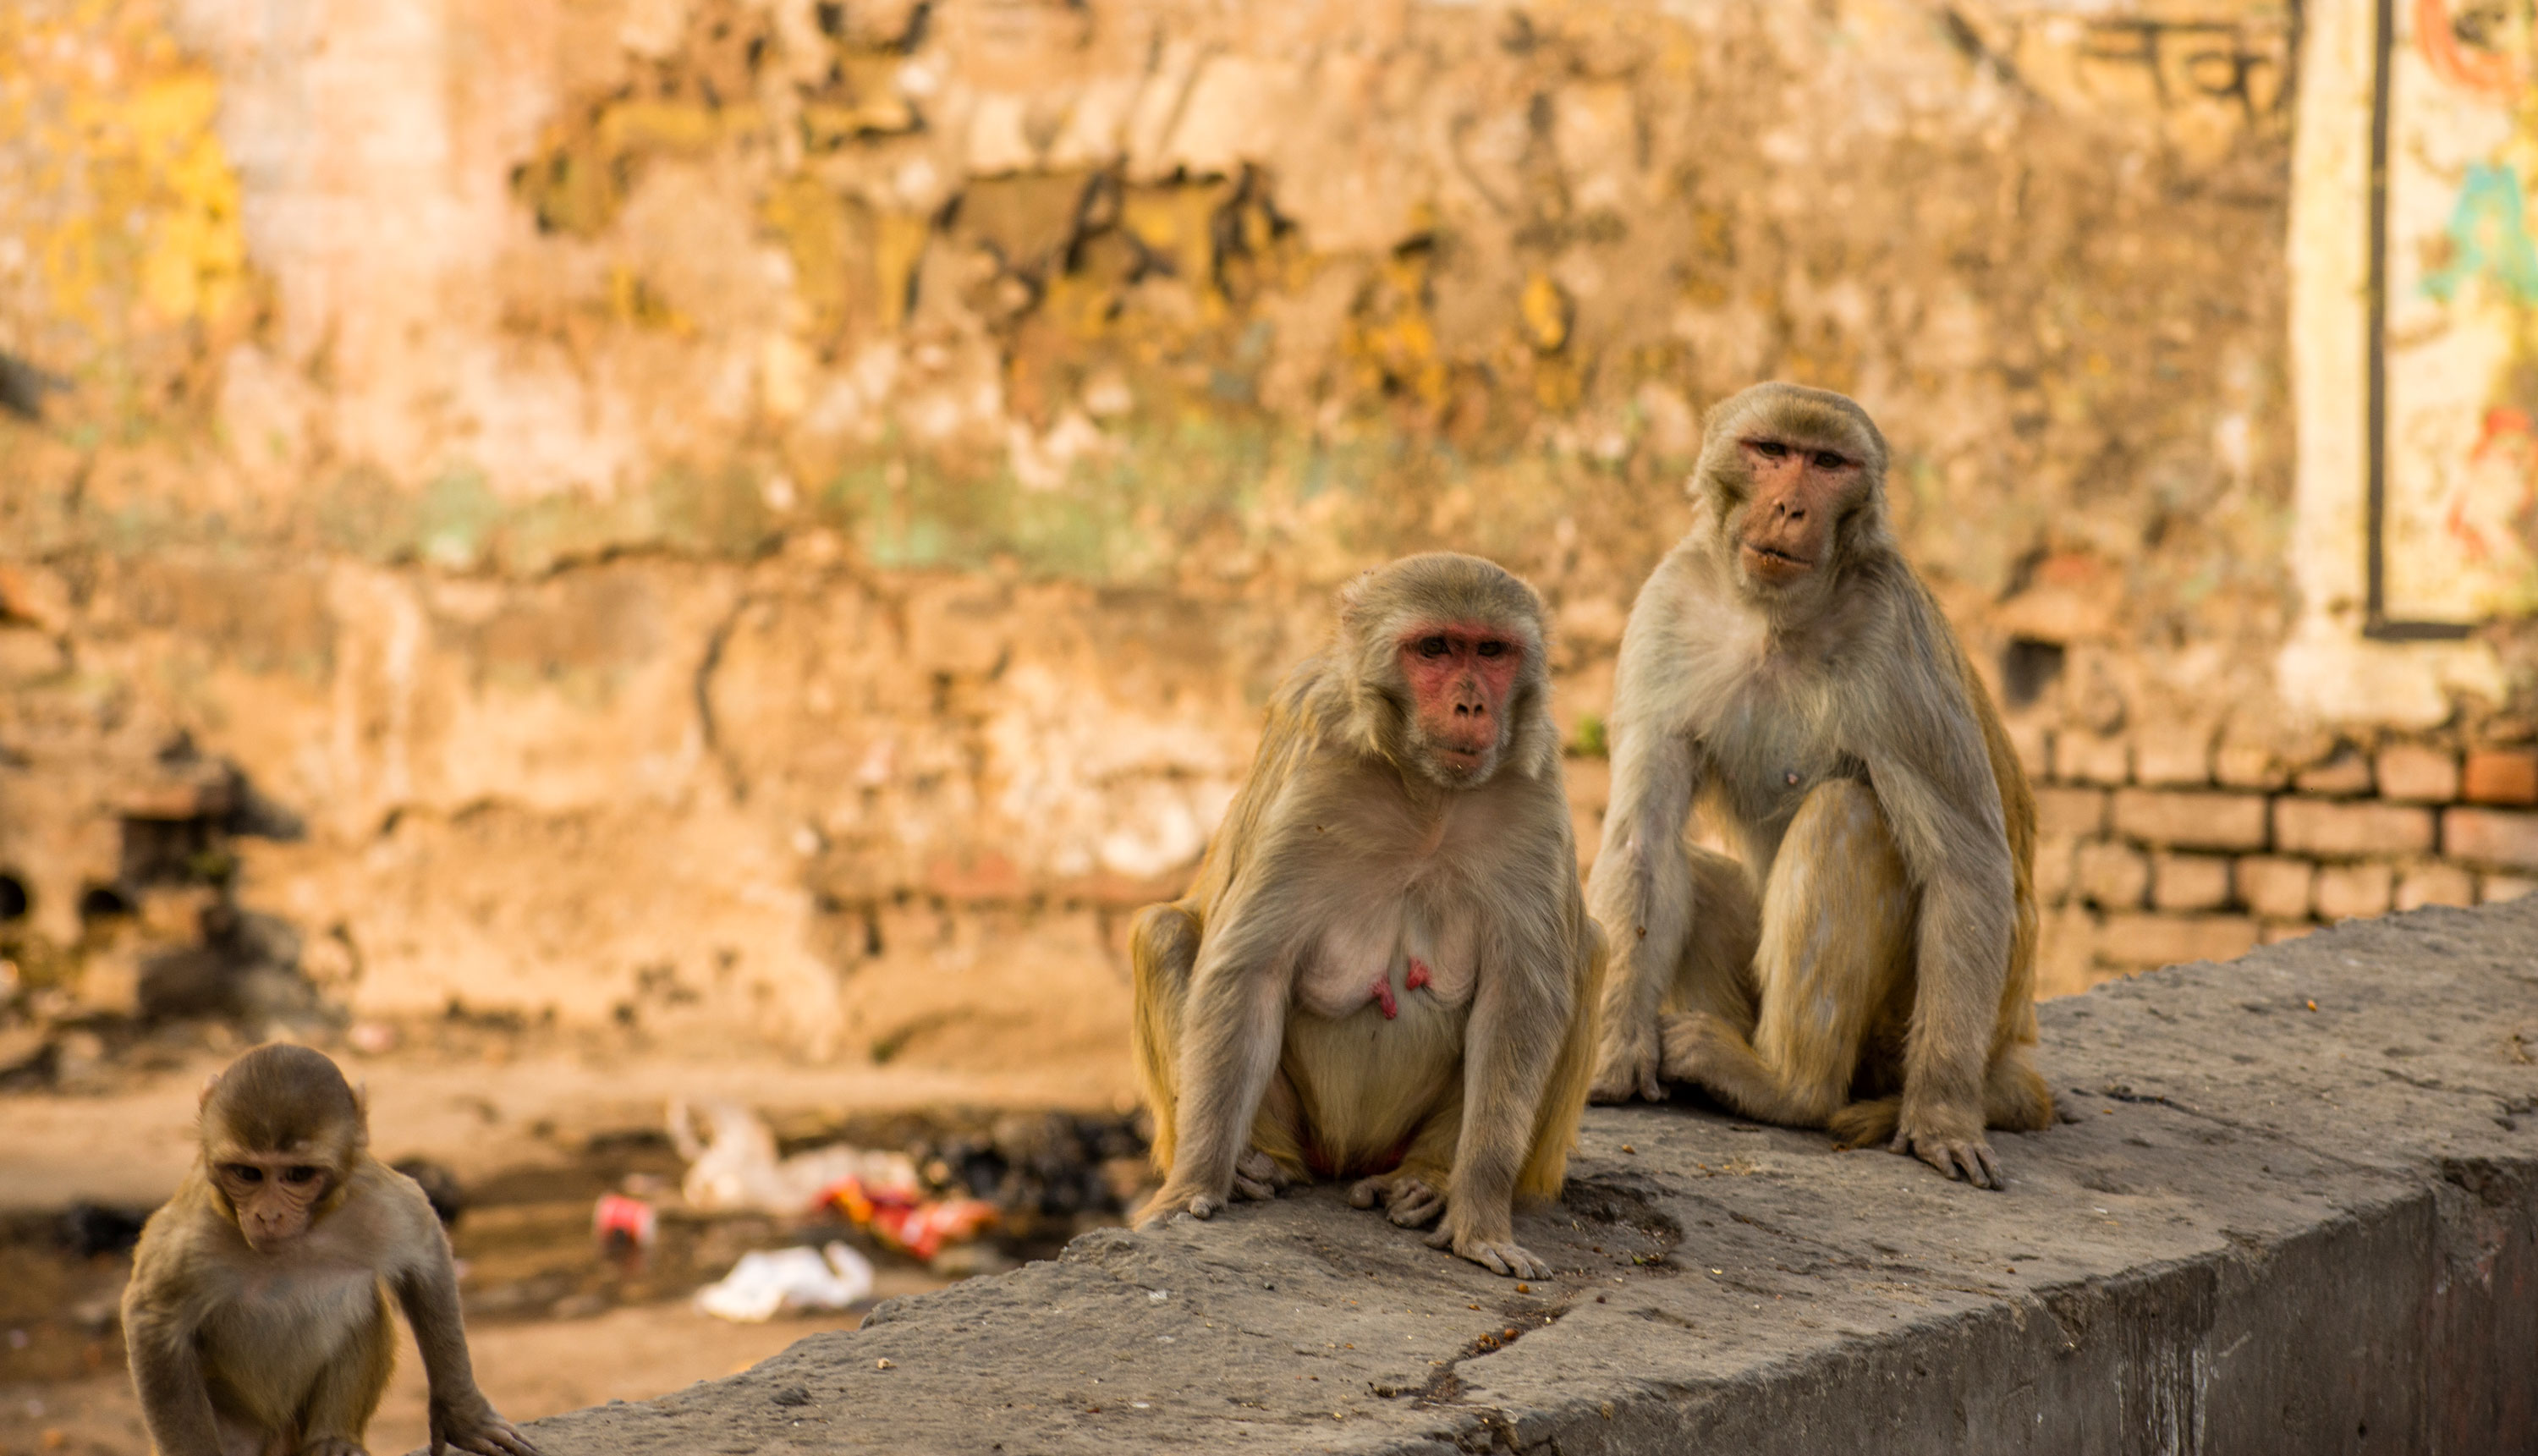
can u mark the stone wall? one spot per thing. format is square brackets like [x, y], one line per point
[780, 516]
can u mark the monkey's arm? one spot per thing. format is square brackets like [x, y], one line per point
[168, 1375]
[425, 1284]
[1518, 1019]
[1231, 1032]
[1927, 764]
[1641, 894]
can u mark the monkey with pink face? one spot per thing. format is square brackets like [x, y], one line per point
[1385, 970]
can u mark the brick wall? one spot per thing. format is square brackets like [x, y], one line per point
[2161, 846]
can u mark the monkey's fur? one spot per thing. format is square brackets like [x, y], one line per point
[257, 1315]
[1385, 966]
[1789, 672]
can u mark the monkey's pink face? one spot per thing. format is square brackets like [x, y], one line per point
[1800, 495]
[276, 1194]
[1460, 675]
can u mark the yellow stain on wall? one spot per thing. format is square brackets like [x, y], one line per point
[130, 195]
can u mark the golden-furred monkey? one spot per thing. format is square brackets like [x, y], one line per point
[1385, 970]
[1866, 961]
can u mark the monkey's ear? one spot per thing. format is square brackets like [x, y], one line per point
[204, 1098]
[361, 1105]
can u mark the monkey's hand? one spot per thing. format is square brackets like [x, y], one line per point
[1496, 1250]
[1953, 1145]
[1257, 1176]
[1176, 1198]
[1626, 1063]
[472, 1426]
[1409, 1199]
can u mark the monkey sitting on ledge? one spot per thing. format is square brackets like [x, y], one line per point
[257, 1316]
[1784, 668]
[1385, 970]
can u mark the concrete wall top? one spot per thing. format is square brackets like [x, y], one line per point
[2294, 1208]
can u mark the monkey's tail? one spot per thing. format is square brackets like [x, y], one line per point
[2015, 1099]
[1866, 1124]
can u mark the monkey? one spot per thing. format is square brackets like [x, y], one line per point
[1866, 961]
[257, 1315]
[1384, 969]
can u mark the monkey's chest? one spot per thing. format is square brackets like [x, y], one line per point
[1380, 951]
[280, 1330]
[1764, 755]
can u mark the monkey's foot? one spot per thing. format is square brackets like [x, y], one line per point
[1626, 1066]
[1409, 1200]
[1496, 1255]
[1969, 1158]
[482, 1433]
[1257, 1176]
[1168, 1202]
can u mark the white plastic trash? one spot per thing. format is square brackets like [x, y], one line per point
[761, 1284]
[735, 1167]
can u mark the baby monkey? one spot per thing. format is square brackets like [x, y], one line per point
[257, 1316]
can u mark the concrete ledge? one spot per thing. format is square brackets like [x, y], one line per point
[2297, 1211]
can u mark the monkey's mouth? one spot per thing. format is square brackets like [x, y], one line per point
[1774, 565]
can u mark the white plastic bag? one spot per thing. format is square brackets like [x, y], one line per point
[761, 1284]
[735, 1165]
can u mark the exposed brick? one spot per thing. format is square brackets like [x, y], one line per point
[2054, 867]
[2079, 813]
[2328, 828]
[2171, 940]
[2032, 742]
[2189, 881]
[2111, 875]
[2436, 885]
[2090, 758]
[2494, 889]
[2183, 819]
[2176, 755]
[2279, 931]
[2491, 836]
[2277, 888]
[2353, 892]
[2501, 776]
[2248, 765]
[2346, 774]
[2414, 774]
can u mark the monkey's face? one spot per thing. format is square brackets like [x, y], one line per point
[1461, 674]
[274, 1196]
[1799, 493]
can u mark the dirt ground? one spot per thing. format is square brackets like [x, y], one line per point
[533, 1128]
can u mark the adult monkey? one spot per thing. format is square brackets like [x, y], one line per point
[1786, 669]
[1385, 967]
[257, 1315]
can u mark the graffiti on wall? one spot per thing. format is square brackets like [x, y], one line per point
[2455, 372]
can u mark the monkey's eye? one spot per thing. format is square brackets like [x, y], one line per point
[1772, 449]
[1492, 649]
[246, 1172]
[299, 1173]
[1431, 646]
[1828, 460]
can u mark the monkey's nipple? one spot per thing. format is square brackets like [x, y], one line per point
[1382, 994]
[1418, 977]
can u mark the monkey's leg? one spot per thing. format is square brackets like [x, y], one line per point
[1836, 934]
[1716, 971]
[348, 1390]
[1163, 947]
[1414, 1193]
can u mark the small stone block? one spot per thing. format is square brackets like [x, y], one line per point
[2055, 868]
[2491, 836]
[2277, 888]
[2279, 931]
[2353, 892]
[2501, 776]
[2179, 755]
[2413, 774]
[2189, 881]
[2080, 813]
[2326, 826]
[2183, 819]
[2436, 885]
[2347, 774]
[2090, 758]
[2248, 765]
[2133, 939]
[2111, 875]
[2495, 890]
[2032, 742]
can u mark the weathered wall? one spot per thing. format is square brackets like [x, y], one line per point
[781, 515]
